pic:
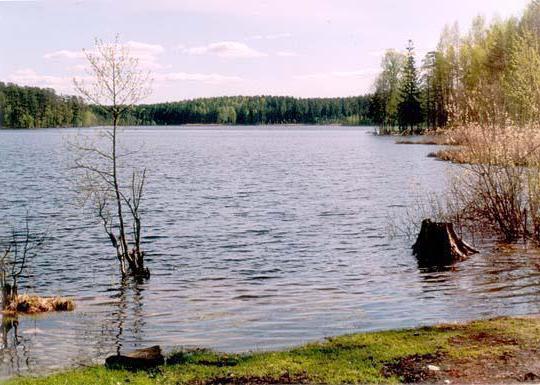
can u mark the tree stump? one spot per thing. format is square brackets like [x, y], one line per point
[137, 360]
[438, 245]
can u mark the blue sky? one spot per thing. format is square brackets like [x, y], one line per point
[198, 48]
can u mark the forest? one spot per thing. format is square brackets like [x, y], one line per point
[32, 107]
[29, 107]
[255, 110]
[487, 76]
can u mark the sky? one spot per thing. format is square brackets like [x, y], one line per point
[203, 48]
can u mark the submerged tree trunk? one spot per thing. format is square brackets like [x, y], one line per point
[438, 245]
[9, 293]
[123, 241]
[131, 261]
[136, 264]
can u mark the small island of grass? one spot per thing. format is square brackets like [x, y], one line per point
[33, 304]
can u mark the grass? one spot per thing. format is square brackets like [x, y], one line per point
[33, 304]
[378, 357]
[515, 146]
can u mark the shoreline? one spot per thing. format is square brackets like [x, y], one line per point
[219, 125]
[497, 350]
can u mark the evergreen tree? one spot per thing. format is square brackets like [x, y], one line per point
[409, 107]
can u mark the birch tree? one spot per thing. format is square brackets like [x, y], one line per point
[115, 83]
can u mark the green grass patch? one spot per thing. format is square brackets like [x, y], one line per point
[350, 359]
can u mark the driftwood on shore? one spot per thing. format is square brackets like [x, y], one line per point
[438, 245]
[137, 360]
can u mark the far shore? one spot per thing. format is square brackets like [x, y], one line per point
[200, 125]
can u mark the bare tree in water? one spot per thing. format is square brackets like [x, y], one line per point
[115, 83]
[16, 251]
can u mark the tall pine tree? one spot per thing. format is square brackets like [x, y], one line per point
[409, 107]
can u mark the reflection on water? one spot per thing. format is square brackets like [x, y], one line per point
[26, 340]
[14, 354]
[128, 290]
[256, 239]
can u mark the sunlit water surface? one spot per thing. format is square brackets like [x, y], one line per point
[257, 238]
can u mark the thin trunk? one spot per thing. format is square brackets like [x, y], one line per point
[123, 241]
[138, 240]
[9, 293]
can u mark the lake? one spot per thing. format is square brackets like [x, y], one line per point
[256, 238]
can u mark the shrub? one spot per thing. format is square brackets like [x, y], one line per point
[501, 182]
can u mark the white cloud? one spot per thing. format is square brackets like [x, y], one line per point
[147, 54]
[29, 77]
[212, 78]
[64, 54]
[64, 84]
[226, 49]
[339, 74]
[140, 48]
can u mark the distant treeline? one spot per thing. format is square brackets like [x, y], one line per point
[28, 107]
[253, 110]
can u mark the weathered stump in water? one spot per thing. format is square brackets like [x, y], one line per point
[438, 245]
[137, 360]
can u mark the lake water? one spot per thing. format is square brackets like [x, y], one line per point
[257, 238]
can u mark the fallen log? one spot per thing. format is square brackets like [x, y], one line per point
[438, 245]
[140, 359]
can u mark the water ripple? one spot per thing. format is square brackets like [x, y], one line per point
[257, 239]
